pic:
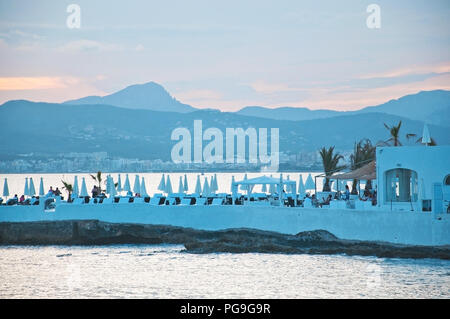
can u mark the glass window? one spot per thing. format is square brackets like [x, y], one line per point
[401, 185]
[447, 180]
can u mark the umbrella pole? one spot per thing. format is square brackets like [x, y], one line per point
[315, 184]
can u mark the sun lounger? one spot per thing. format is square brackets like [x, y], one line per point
[186, 202]
[307, 203]
[217, 201]
[156, 201]
[78, 201]
[139, 200]
[201, 201]
[107, 200]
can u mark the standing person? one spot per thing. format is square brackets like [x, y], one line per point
[50, 192]
[94, 191]
[57, 192]
[347, 193]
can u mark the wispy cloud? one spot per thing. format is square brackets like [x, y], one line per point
[85, 45]
[36, 83]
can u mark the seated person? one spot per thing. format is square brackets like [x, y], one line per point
[22, 199]
[13, 201]
[366, 195]
[326, 201]
[94, 191]
[57, 192]
[314, 201]
[347, 193]
[34, 200]
[50, 192]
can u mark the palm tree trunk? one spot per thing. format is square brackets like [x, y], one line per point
[354, 186]
[326, 186]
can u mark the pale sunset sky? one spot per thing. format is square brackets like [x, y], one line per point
[226, 54]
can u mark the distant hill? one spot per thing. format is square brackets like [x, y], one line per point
[287, 113]
[148, 96]
[48, 128]
[432, 107]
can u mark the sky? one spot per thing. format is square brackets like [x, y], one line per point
[226, 54]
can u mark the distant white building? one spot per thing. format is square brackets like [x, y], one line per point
[413, 178]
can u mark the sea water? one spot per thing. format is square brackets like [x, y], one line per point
[166, 271]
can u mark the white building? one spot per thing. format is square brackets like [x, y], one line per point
[413, 178]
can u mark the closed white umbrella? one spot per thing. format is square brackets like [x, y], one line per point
[75, 191]
[162, 184]
[5, 188]
[309, 184]
[216, 185]
[169, 186]
[264, 188]
[185, 186]
[137, 185]
[333, 185]
[211, 185]
[26, 191]
[244, 187]
[108, 184]
[119, 184]
[180, 186]
[232, 188]
[126, 186]
[198, 185]
[143, 188]
[83, 191]
[206, 189]
[41, 188]
[112, 187]
[426, 138]
[272, 188]
[342, 186]
[32, 189]
[301, 186]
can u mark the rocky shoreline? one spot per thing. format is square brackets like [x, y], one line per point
[94, 232]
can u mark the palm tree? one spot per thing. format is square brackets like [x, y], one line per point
[395, 134]
[330, 164]
[69, 189]
[364, 152]
[98, 179]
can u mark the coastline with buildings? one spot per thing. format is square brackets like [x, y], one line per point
[74, 162]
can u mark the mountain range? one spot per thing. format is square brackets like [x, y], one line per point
[429, 106]
[133, 124]
[432, 107]
[147, 96]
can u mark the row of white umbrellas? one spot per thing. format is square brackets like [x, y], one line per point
[165, 185]
[29, 189]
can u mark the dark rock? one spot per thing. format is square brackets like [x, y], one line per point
[241, 240]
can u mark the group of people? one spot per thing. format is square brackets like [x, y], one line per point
[53, 192]
[97, 192]
[368, 195]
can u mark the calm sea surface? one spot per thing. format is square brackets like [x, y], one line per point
[146, 271]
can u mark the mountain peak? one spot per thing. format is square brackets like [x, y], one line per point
[149, 96]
